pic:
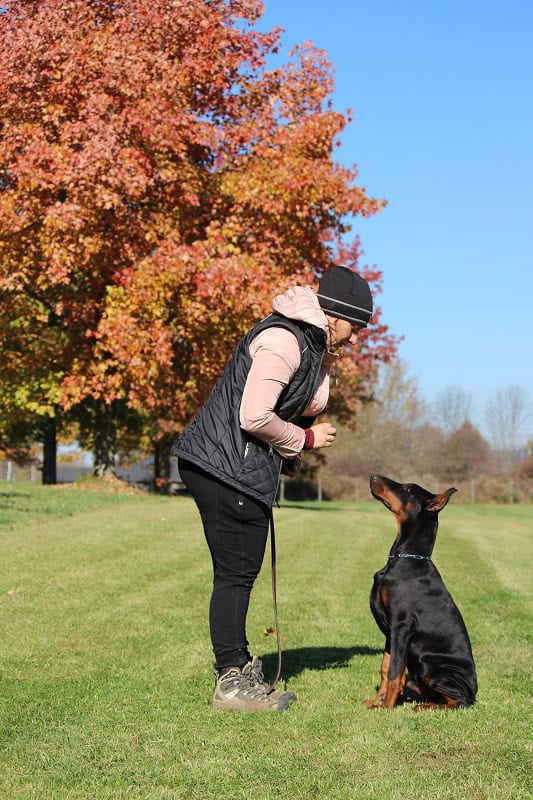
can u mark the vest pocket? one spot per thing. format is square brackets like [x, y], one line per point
[257, 456]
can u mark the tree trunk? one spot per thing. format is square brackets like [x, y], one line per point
[162, 466]
[104, 440]
[50, 452]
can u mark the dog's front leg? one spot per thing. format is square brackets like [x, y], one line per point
[379, 699]
[397, 670]
[394, 689]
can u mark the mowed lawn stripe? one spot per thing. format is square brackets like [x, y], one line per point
[105, 659]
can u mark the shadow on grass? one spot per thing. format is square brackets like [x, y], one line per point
[296, 661]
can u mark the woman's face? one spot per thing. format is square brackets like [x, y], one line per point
[342, 332]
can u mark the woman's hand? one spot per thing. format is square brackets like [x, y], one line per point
[324, 435]
[291, 466]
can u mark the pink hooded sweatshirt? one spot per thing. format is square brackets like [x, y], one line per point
[276, 357]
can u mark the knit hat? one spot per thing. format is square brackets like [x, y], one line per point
[346, 295]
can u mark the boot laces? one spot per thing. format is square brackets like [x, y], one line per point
[250, 680]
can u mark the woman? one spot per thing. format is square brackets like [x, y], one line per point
[256, 421]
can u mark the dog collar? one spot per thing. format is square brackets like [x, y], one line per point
[411, 555]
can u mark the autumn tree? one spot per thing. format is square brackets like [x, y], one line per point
[158, 184]
[31, 359]
[464, 455]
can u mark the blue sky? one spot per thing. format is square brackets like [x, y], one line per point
[442, 95]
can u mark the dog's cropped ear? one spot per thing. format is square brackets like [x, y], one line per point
[438, 501]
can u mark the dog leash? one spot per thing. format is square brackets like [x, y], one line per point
[274, 599]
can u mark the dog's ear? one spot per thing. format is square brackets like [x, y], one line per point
[438, 501]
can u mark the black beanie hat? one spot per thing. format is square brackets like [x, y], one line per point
[346, 295]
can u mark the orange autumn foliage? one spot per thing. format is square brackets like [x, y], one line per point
[159, 183]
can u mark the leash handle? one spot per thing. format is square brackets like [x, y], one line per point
[274, 598]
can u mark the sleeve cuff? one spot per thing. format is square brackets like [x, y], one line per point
[309, 441]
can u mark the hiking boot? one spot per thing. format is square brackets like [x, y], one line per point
[245, 689]
[256, 667]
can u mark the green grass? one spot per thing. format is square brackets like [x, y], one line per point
[105, 661]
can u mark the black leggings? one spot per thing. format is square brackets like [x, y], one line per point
[236, 529]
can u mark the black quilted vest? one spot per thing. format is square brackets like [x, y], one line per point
[215, 441]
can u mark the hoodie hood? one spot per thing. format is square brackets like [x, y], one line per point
[301, 303]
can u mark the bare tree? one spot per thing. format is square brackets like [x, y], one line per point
[452, 407]
[463, 456]
[398, 396]
[507, 413]
[387, 428]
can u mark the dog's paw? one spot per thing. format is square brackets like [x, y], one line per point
[427, 707]
[377, 702]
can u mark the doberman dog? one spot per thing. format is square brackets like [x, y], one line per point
[425, 633]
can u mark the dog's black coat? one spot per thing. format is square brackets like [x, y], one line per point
[425, 632]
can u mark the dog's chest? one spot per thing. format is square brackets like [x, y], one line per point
[379, 595]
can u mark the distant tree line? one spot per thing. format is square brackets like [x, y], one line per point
[400, 435]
